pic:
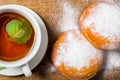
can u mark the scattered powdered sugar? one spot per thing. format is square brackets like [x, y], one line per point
[106, 19]
[75, 51]
[69, 19]
[112, 1]
[113, 60]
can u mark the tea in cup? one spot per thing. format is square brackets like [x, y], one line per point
[20, 38]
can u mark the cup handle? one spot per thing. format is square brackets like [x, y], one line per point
[26, 70]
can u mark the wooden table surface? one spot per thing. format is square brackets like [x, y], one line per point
[52, 13]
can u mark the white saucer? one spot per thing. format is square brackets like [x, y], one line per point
[39, 56]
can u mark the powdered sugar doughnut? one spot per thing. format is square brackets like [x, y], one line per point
[100, 24]
[112, 67]
[75, 57]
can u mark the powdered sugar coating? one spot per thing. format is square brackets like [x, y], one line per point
[76, 52]
[105, 18]
[113, 60]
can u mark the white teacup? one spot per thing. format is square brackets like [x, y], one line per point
[23, 62]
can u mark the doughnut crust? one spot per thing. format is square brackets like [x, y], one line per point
[74, 57]
[99, 23]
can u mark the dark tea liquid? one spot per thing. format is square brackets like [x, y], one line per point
[10, 50]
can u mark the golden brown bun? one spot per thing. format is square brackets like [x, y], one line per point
[96, 38]
[84, 72]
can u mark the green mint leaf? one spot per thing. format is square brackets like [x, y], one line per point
[19, 31]
[1, 68]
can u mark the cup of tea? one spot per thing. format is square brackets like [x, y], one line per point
[20, 38]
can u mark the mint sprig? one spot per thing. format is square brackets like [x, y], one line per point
[19, 31]
[1, 68]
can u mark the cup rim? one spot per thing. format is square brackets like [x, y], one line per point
[37, 38]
